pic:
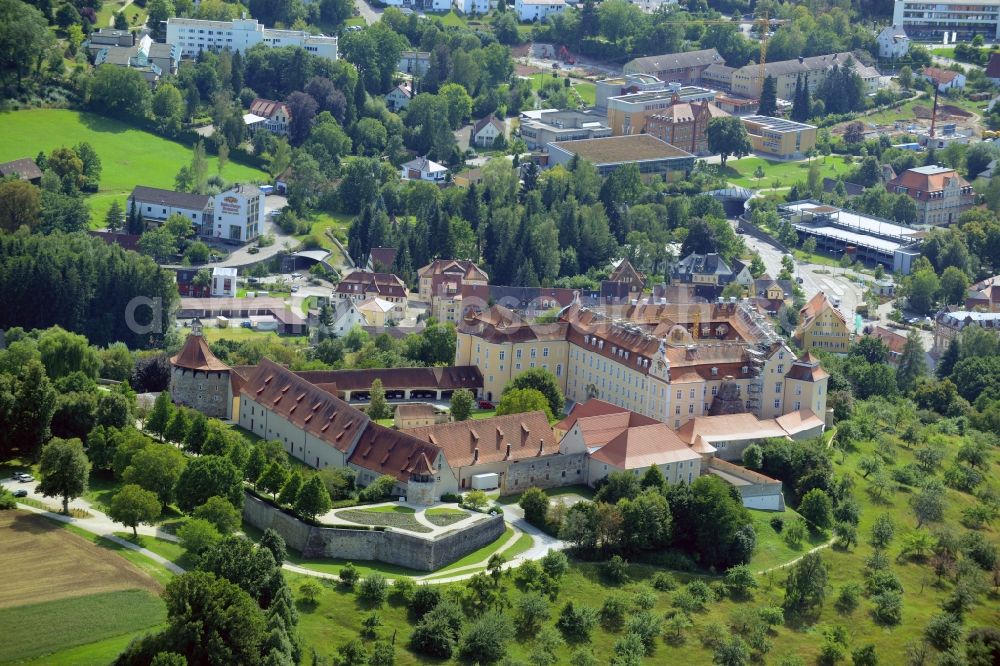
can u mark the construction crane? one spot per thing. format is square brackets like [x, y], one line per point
[765, 28]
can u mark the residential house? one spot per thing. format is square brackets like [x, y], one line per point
[747, 80]
[422, 168]
[224, 281]
[944, 79]
[777, 136]
[940, 193]
[415, 63]
[376, 311]
[625, 272]
[187, 286]
[252, 122]
[24, 168]
[192, 36]
[156, 205]
[708, 273]
[772, 295]
[741, 273]
[893, 42]
[381, 259]
[948, 326]
[686, 67]
[446, 283]
[277, 115]
[984, 296]
[656, 159]
[399, 97]
[418, 415]
[474, 6]
[346, 316]
[360, 285]
[822, 326]
[487, 130]
[685, 125]
[529, 11]
[993, 68]
[894, 342]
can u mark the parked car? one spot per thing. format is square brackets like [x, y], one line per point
[485, 404]
[20, 492]
[245, 324]
[295, 288]
[254, 250]
[296, 276]
[26, 478]
[253, 280]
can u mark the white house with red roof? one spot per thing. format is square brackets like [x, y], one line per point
[944, 79]
[277, 116]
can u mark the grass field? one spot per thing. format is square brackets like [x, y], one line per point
[61, 565]
[444, 516]
[96, 653]
[389, 516]
[816, 258]
[51, 626]
[586, 89]
[171, 550]
[741, 172]
[129, 156]
[238, 333]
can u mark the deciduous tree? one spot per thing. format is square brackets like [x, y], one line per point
[64, 470]
[133, 505]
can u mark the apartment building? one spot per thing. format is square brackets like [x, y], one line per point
[960, 19]
[948, 326]
[779, 137]
[940, 193]
[415, 63]
[747, 80]
[667, 362]
[358, 286]
[237, 214]
[194, 35]
[447, 283]
[529, 11]
[822, 326]
[156, 205]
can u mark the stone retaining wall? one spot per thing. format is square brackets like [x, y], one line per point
[390, 546]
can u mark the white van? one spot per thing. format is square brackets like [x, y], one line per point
[836, 301]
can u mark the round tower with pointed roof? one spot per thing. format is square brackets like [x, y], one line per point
[200, 380]
[421, 487]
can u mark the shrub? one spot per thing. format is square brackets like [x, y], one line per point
[475, 500]
[403, 590]
[740, 581]
[794, 533]
[7, 500]
[613, 612]
[451, 497]
[663, 581]
[349, 575]
[310, 591]
[644, 599]
[198, 535]
[576, 622]
[374, 589]
[531, 612]
[647, 626]
[849, 598]
[943, 631]
[555, 563]
[378, 489]
[370, 624]
[712, 635]
[700, 590]
[777, 524]
[685, 601]
[529, 575]
[887, 608]
[485, 641]
[535, 504]
[615, 570]
[425, 599]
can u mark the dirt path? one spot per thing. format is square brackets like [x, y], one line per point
[791, 562]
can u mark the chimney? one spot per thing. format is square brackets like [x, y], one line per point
[475, 455]
[507, 455]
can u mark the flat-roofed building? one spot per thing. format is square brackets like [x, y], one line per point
[529, 11]
[624, 85]
[959, 19]
[870, 238]
[686, 67]
[193, 36]
[627, 114]
[780, 137]
[539, 129]
[654, 157]
[415, 63]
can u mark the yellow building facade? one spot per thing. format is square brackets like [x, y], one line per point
[822, 326]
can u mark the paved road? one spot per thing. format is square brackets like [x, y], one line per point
[368, 13]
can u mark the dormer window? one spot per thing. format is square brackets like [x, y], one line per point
[715, 372]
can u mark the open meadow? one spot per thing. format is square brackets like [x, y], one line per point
[129, 156]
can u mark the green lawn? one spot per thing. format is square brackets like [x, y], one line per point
[483, 413]
[97, 653]
[390, 508]
[771, 548]
[38, 629]
[444, 516]
[238, 333]
[584, 491]
[944, 52]
[741, 172]
[129, 156]
[816, 258]
[333, 565]
[171, 550]
[481, 555]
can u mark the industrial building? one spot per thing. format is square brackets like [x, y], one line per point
[869, 238]
[653, 156]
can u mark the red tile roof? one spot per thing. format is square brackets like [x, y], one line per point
[441, 378]
[195, 355]
[266, 107]
[644, 446]
[503, 438]
[940, 76]
[397, 453]
[304, 405]
[918, 185]
[366, 282]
